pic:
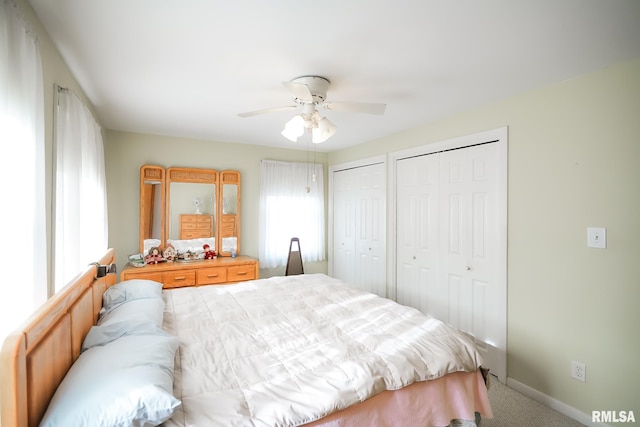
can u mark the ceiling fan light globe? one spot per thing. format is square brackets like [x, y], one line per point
[290, 134]
[298, 121]
[294, 128]
[296, 124]
[327, 127]
[316, 136]
[324, 131]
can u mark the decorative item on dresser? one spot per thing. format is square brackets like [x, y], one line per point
[196, 273]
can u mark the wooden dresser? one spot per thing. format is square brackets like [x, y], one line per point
[196, 226]
[175, 274]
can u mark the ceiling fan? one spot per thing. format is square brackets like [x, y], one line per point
[309, 93]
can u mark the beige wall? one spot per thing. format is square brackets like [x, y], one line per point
[574, 162]
[126, 152]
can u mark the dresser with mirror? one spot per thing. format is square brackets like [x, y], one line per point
[189, 208]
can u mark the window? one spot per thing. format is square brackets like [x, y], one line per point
[291, 205]
[22, 172]
[80, 189]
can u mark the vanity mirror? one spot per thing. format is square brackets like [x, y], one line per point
[192, 202]
[152, 189]
[230, 213]
[190, 207]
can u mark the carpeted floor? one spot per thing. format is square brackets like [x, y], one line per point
[512, 408]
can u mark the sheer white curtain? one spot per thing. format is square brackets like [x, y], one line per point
[81, 191]
[22, 176]
[291, 205]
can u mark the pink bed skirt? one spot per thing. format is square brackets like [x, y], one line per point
[427, 403]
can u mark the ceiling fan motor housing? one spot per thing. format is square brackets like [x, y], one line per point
[317, 85]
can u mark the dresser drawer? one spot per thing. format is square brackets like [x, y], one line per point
[203, 221]
[208, 276]
[241, 272]
[176, 279]
[195, 234]
[157, 277]
[188, 219]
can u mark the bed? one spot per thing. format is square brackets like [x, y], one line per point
[279, 351]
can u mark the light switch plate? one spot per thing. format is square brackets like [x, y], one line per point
[597, 237]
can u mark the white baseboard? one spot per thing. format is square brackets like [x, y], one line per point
[555, 404]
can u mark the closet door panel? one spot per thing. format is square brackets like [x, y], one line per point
[359, 196]
[344, 214]
[371, 223]
[468, 253]
[417, 232]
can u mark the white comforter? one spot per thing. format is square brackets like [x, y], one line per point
[286, 351]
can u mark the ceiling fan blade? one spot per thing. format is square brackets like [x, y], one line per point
[299, 90]
[355, 107]
[268, 110]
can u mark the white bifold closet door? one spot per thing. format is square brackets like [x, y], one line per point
[447, 241]
[359, 231]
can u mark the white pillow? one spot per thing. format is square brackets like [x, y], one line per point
[129, 290]
[134, 311]
[127, 382]
[110, 331]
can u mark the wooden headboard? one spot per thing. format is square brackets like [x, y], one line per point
[36, 357]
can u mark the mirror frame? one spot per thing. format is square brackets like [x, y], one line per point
[151, 173]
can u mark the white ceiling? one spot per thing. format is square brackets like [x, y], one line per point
[187, 68]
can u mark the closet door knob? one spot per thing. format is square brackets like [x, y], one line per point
[468, 268]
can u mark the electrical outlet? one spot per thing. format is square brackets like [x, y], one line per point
[578, 371]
